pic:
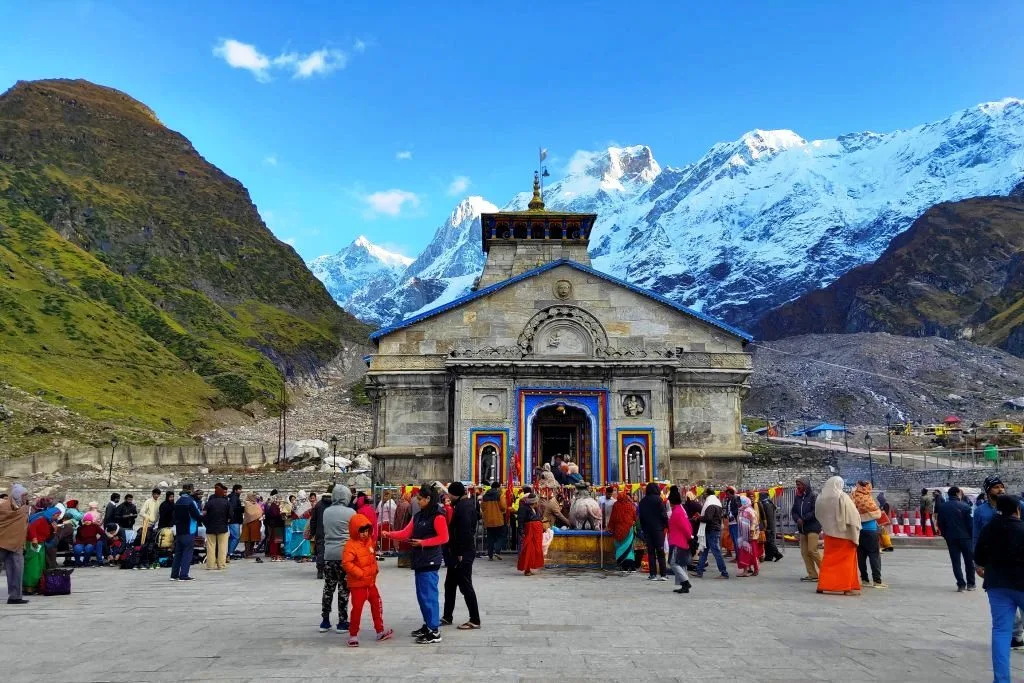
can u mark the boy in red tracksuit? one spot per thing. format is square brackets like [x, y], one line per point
[359, 560]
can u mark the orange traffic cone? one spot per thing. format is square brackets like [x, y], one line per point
[929, 532]
[915, 524]
[897, 527]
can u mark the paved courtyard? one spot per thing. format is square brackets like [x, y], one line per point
[258, 622]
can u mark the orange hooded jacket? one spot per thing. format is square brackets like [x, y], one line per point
[359, 559]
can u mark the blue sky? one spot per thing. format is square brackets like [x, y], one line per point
[375, 118]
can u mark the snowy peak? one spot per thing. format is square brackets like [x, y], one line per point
[760, 143]
[381, 254]
[469, 208]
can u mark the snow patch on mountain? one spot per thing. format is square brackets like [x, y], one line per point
[359, 270]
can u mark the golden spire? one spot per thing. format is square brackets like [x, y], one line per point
[536, 204]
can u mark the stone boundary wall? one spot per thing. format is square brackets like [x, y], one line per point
[140, 456]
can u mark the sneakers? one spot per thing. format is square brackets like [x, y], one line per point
[661, 578]
[17, 601]
[1016, 643]
[325, 626]
[809, 579]
[961, 589]
[342, 627]
[186, 578]
[174, 578]
[879, 584]
[652, 577]
[971, 587]
[445, 621]
[421, 631]
[685, 588]
[353, 642]
[386, 635]
[429, 638]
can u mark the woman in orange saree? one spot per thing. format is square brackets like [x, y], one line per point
[840, 524]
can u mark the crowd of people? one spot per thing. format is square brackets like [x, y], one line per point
[434, 527]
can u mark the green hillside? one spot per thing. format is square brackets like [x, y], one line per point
[138, 283]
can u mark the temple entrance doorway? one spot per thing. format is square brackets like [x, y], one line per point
[566, 431]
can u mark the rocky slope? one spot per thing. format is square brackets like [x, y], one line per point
[958, 272]
[138, 284]
[865, 375]
[755, 222]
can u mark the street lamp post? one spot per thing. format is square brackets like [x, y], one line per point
[888, 432]
[110, 469]
[871, 463]
[334, 454]
[846, 441]
[805, 429]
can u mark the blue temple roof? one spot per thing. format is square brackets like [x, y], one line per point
[480, 293]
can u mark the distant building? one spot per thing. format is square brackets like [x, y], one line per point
[825, 431]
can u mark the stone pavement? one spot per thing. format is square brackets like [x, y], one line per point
[259, 622]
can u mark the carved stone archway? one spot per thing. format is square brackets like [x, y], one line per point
[581, 329]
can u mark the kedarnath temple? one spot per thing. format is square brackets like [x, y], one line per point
[548, 358]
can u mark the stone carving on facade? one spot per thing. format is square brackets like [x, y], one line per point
[563, 290]
[486, 352]
[405, 362]
[732, 361]
[634, 352]
[633, 405]
[563, 321]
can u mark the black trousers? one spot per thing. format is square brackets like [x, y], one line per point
[656, 551]
[961, 547]
[460, 575]
[496, 543]
[868, 549]
[771, 551]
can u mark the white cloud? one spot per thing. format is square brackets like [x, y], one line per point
[244, 56]
[270, 160]
[320, 62]
[359, 46]
[404, 155]
[389, 202]
[459, 185]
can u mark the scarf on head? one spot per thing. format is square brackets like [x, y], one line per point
[836, 512]
[866, 505]
[712, 499]
[623, 517]
[251, 510]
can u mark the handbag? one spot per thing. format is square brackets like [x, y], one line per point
[56, 582]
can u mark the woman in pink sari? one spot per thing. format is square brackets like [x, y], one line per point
[746, 540]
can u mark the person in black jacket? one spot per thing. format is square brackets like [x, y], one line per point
[235, 523]
[461, 551]
[216, 518]
[165, 515]
[808, 526]
[955, 523]
[654, 522]
[999, 554]
[110, 512]
[316, 529]
[766, 511]
[125, 515]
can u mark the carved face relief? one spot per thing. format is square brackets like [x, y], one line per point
[563, 338]
[563, 289]
[633, 405]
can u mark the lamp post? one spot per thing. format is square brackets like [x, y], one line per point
[805, 428]
[334, 454]
[888, 432]
[846, 441]
[110, 469]
[871, 463]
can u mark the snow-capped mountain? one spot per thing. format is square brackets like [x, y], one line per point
[445, 269]
[754, 222]
[360, 271]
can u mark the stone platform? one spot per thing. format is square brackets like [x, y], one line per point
[258, 622]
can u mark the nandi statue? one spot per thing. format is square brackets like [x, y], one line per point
[585, 510]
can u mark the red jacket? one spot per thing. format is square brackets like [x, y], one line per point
[359, 559]
[39, 531]
[89, 534]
